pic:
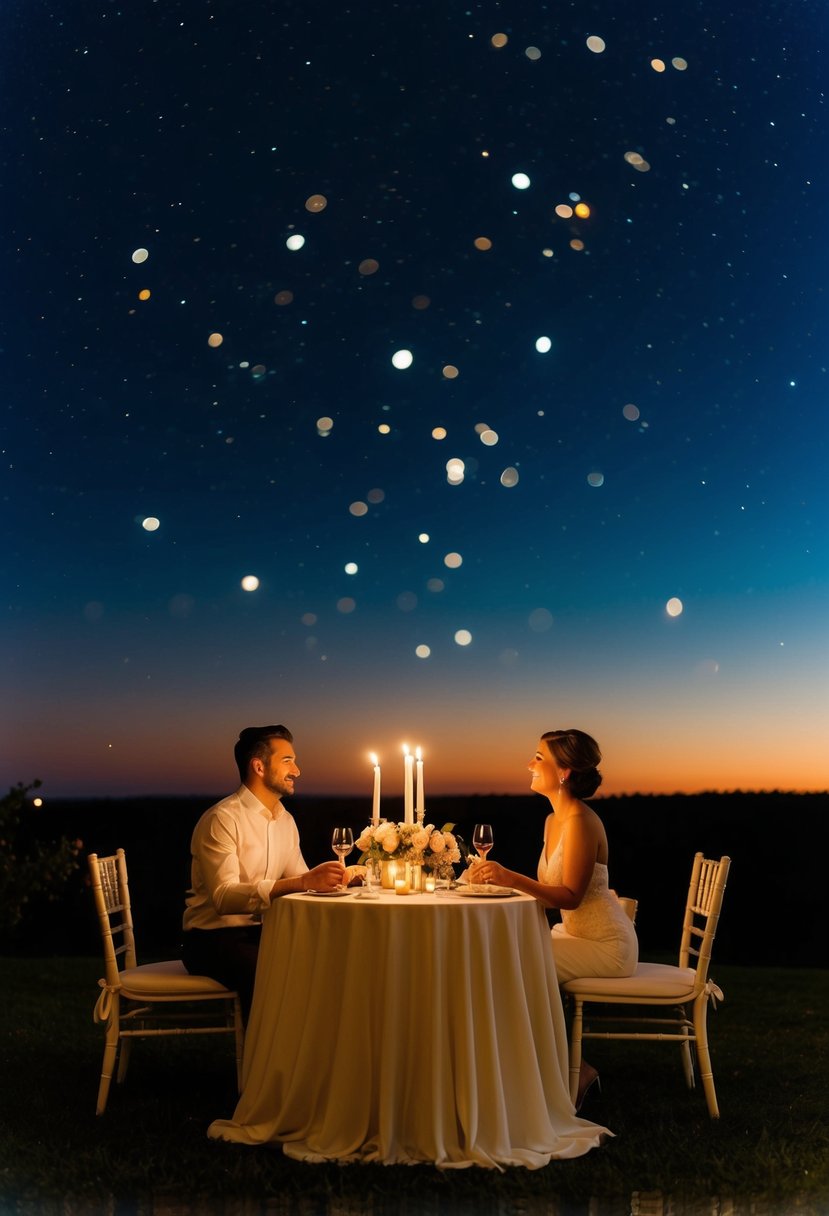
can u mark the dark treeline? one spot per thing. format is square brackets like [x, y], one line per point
[773, 911]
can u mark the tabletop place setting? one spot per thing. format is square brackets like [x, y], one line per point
[411, 857]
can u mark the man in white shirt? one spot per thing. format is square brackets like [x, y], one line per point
[245, 853]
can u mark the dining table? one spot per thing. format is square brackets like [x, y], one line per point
[419, 1028]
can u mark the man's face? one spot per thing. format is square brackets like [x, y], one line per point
[280, 768]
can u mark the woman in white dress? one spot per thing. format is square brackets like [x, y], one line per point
[596, 937]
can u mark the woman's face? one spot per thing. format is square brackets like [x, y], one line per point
[546, 775]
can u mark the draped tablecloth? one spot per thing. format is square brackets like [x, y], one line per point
[408, 1029]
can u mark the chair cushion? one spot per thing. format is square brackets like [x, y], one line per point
[168, 979]
[648, 980]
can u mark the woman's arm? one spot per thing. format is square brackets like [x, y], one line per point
[580, 845]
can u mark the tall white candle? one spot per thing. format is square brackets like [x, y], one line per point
[420, 806]
[375, 805]
[408, 785]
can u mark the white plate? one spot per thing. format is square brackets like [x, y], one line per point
[485, 890]
[327, 893]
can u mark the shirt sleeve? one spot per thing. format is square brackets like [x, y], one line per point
[218, 857]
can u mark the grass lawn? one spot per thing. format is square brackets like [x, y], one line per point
[766, 1156]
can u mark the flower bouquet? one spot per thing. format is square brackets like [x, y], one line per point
[417, 844]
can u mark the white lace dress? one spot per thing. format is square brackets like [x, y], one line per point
[597, 937]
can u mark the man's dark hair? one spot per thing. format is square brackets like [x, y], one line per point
[254, 743]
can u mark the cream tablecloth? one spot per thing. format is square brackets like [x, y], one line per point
[408, 1029]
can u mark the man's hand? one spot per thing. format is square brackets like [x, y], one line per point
[325, 877]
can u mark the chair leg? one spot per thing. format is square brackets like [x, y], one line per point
[110, 1052]
[576, 1027]
[124, 1059]
[703, 1054]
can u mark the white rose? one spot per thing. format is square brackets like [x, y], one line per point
[365, 840]
[390, 840]
[420, 839]
[437, 843]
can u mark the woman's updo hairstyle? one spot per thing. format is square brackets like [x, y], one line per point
[580, 753]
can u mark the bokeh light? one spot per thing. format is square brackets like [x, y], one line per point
[453, 561]
[316, 202]
[509, 478]
[250, 583]
[346, 605]
[325, 425]
[402, 359]
[543, 345]
[595, 44]
[140, 255]
[295, 242]
[215, 340]
[144, 294]
[674, 607]
[499, 40]
[540, 620]
[351, 567]
[463, 637]
[151, 524]
[450, 372]
[358, 508]
[595, 479]
[422, 651]
[521, 181]
[368, 266]
[630, 411]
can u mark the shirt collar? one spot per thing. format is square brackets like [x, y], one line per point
[251, 803]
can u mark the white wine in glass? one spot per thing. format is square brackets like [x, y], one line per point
[342, 842]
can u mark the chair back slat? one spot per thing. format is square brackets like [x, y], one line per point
[702, 912]
[110, 890]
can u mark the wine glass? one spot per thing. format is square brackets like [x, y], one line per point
[482, 839]
[342, 842]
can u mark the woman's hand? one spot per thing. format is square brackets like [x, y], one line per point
[490, 871]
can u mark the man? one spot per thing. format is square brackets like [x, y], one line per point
[245, 854]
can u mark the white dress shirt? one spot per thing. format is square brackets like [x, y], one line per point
[239, 850]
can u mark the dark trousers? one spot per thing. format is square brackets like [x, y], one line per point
[226, 955]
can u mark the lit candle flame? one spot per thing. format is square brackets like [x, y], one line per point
[418, 753]
[405, 749]
[373, 759]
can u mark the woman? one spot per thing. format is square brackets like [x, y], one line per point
[596, 937]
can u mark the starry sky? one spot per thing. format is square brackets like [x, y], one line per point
[427, 373]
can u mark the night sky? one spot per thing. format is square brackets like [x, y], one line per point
[597, 495]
